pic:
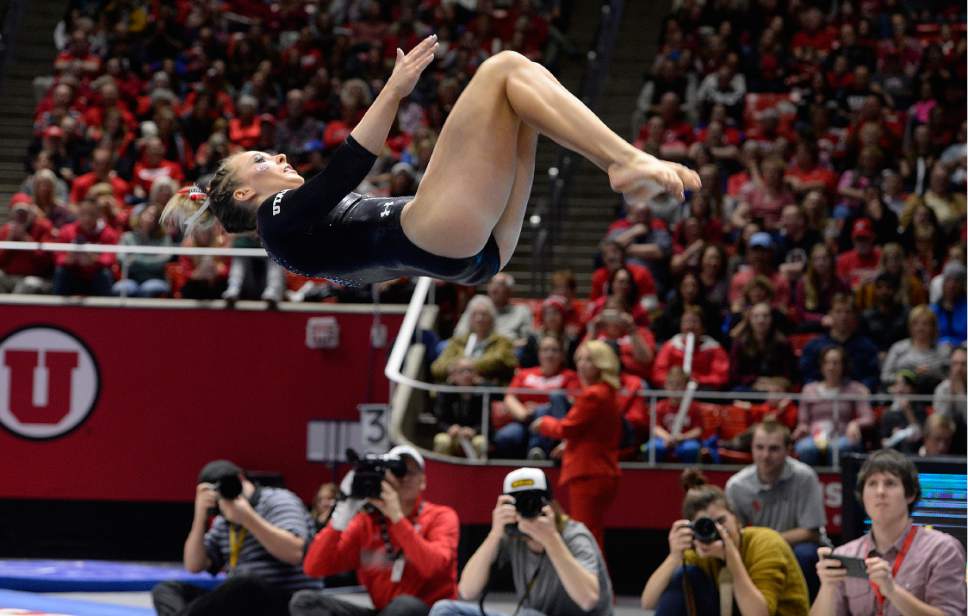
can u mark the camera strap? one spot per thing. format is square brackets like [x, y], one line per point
[530, 585]
[237, 534]
[908, 540]
[393, 555]
[236, 539]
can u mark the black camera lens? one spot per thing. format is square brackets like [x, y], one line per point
[530, 503]
[229, 487]
[704, 530]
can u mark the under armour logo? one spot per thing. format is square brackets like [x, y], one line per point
[386, 210]
[277, 201]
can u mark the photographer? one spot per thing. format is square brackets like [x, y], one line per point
[905, 569]
[712, 562]
[555, 562]
[403, 548]
[258, 536]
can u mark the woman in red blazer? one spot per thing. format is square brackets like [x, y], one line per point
[591, 430]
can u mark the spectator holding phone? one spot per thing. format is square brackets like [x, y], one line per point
[909, 569]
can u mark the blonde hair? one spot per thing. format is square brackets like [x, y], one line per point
[603, 357]
[186, 210]
[191, 206]
[925, 312]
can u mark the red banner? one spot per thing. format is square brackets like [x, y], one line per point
[129, 403]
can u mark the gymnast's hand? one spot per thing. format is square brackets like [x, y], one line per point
[409, 66]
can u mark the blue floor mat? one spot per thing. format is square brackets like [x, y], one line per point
[39, 604]
[93, 576]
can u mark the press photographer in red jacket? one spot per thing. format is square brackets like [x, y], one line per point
[403, 548]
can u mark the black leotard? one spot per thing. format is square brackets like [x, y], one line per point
[324, 230]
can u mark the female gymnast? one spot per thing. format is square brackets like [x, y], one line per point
[464, 222]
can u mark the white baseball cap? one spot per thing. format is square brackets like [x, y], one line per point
[525, 479]
[408, 450]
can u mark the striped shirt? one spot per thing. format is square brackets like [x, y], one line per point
[282, 509]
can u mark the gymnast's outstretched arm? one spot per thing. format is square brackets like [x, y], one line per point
[372, 131]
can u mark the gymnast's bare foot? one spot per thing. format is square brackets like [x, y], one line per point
[645, 175]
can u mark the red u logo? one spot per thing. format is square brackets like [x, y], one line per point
[60, 367]
[49, 382]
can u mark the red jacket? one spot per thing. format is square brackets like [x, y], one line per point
[429, 543]
[593, 428]
[28, 262]
[710, 363]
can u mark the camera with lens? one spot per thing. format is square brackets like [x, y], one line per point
[369, 471]
[531, 493]
[228, 487]
[704, 530]
[529, 504]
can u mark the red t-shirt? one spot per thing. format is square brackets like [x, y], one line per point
[532, 378]
[817, 174]
[641, 275]
[710, 363]
[245, 135]
[857, 270]
[28, 262]
[821, 40]
[626, 352]
[85, 182]
[144, 176]
[72, 233]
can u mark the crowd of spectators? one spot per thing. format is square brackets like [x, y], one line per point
[830, 141]
[146, 98]
[824, 253]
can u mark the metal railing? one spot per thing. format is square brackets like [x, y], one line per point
[488, 393]
[125, 250]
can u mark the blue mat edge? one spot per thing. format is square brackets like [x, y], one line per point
[44, 585]
[74, 607]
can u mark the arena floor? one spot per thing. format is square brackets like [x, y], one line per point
[501, 602]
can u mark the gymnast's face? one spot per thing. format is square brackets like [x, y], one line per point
[260, 174]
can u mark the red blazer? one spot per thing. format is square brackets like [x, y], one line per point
[593, 428]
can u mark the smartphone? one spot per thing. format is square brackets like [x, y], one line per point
[856, 568]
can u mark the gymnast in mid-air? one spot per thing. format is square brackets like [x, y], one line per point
[463, 224]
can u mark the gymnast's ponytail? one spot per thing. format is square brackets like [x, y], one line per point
[193, 207]
[188, 209]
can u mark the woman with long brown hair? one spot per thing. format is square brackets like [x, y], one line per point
[708, 549]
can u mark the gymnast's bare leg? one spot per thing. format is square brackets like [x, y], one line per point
[479, 176]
